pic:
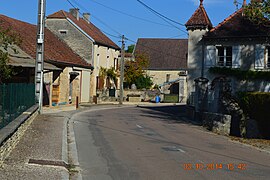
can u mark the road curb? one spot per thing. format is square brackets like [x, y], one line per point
[72, 149]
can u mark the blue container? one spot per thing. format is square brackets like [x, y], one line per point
[157, 99]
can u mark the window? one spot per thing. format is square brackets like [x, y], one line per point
[168, 77]
[63, 32]
[116, 64]
[224, 56]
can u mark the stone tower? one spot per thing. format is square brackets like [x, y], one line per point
[198, 25]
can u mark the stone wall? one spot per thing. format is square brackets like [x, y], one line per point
[218, 123]
[12, 133]
[74, 38]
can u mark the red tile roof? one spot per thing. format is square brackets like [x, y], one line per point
[199, 19]
[236, 26]
[55, 50]
[164, 54]
[87, 27]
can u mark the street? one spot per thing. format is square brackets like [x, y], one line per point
[158, 143]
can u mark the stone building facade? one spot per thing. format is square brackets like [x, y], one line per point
[87, 41]
[234, 44]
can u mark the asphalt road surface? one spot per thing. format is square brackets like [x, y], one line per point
[157, 143]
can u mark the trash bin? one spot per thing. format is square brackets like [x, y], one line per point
[157, 99]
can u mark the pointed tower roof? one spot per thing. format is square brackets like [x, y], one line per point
[199, 19]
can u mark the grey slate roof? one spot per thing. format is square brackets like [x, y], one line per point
[164, 54]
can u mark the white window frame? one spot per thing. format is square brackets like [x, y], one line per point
[225, 56]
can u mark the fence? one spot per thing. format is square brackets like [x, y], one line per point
[15, 98]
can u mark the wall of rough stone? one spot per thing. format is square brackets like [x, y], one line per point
[218, 123]
[9, 144]
[74, 38]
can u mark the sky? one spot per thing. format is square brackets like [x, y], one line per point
[126, 17]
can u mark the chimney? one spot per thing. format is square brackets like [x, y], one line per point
[75, 13]
[86, 16]
[244, 3]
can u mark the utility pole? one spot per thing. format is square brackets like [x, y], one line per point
[122, 70]
[40, 54]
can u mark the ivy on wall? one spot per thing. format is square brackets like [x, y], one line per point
[241, 74]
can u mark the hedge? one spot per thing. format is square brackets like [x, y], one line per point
[257, 106]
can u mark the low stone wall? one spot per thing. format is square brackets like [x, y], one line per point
[134, 99]
[190, 112]
[218, 123]
[12, 133]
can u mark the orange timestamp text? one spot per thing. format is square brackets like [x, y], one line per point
[212, 166]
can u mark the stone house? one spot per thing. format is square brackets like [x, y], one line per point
[168, 63]
[235, 44]
[84, 38]
[64, 71]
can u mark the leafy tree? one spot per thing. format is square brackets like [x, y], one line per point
[130, 48]
[111, 74]
[258, 11]
[135, 72]
[7, 40]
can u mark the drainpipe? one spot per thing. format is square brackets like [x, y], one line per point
[202, 71]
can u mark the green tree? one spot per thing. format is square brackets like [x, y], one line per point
[7, 40]
[135, 72]
[130, 48]
[258, 11]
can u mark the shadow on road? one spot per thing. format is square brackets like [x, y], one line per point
[170, 114]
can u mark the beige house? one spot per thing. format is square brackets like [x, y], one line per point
[89, 42]
[66, 75]
[168, 63]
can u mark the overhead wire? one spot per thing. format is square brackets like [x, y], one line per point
[163, 17]
[130, 15]
[127, 39]
[156, 12]
[109, 34]
[102, 22]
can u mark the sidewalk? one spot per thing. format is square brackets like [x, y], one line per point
[42, 151]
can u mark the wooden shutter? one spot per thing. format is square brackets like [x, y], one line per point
[236, 56]
[210, 56]
[259, 56]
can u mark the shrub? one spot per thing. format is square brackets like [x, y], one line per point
[256, 106]
[143, 82]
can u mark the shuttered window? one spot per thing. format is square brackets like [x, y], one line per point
[210, 56]
[224, 56]
[259, 56]
[236, 56]
[268, 57]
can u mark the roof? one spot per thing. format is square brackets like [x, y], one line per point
[88, 27]
[164, 54]
[199, 19]
[237, 26]
[20, 58]
[55, 50]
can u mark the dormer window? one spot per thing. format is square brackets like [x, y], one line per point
[63, 32]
